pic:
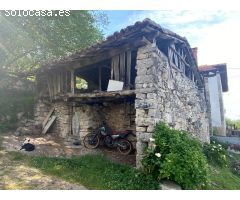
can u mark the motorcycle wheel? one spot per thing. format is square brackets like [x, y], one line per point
[91, 141]
[124, 146]
[108, 141]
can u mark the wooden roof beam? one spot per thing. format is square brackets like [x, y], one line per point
[107, 55]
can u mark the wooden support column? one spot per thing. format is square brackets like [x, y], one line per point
[49, 86]
[58, 82]
[128, 74]
[100, 78]
[54, 84]
[122, 67]
[73, 82]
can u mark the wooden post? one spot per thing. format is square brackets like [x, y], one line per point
[116, 67]
[122, 67]
[49, 86]
[128, 74]
[54, 85]
[58, 82]
[73, 81]
[100, 78]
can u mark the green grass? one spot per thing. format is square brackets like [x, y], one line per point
[97, 172]
[92, 171]
[223, 179]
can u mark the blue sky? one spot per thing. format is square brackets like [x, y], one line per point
[215, 33]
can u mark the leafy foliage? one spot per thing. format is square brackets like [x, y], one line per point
[27, 41]
[215, 154]
[13, 102]
[225, 144]
[222, 179]
[177, 157]
[231, 122]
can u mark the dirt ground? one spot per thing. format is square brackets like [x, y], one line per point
[48, 145]
[15, 175]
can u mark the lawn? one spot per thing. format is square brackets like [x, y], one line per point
[223, 178]
[92, 171]
[98, 172]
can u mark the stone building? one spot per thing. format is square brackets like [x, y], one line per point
[134, 79]
[216, 83]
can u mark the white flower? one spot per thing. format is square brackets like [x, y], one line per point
[158, 155]
[151, 139]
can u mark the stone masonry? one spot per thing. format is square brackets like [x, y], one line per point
[117, 116]
[41, 110]
[83, 118]
[163, 93]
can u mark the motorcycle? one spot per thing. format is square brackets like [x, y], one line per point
[110, 138]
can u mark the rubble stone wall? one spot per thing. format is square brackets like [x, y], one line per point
[83, 118]
[163, 93]
[63, 113]
[41, 110]
[118, 116]
[88, 118]
[61, 127]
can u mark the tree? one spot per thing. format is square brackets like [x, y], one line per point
[231, 122]
[28, 41]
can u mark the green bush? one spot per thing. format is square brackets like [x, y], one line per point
[176, 156]
[216, 154]
[225, 145]
[13, 101]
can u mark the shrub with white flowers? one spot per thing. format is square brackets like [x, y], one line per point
[216, 154]
[175, 156]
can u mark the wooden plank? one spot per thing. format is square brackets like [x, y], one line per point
[58, 82]
[128, 71]
[107, 54]
[112, 69]
[54, 84]
[183, 59]
[65, 79]
[61, 81]
[122, 67]
[69, 81]
[49, 124]
[47, 117]
[76, 123]
[100, 78]
[49, 86]
[72, 82]
[116, 67]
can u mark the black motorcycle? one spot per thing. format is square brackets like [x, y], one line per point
[110, 138]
